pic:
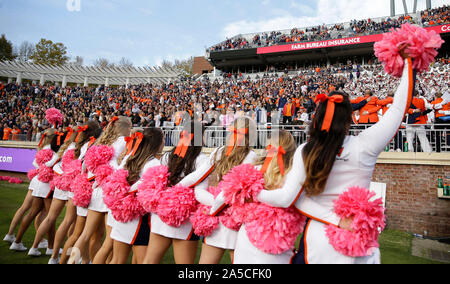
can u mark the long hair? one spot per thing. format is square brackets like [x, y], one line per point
[48, 138]
[322, 148]
[239, 153]
[94, 130]
[273, 177]
[177, 165]
[114, 130]
[66, 144]
[148, 149]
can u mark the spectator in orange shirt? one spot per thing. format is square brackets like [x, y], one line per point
[6, 133]
[15, 133]
[368, 113]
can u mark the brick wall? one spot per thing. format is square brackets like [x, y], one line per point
[412, 204]
[200, 65]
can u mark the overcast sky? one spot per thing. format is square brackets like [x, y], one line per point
[148, 31]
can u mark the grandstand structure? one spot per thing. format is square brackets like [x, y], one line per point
[84, 76]
[339, 46]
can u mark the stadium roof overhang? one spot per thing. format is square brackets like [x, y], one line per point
[308, 52]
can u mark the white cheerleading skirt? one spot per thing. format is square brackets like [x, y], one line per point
[246, 253]
[125, 232]
[110, 221]
[33, 183]
[222, 237]
[184, 232]
[70, 194]
[61, 194]
[319, 251]
[82, 212]
[42, 190]
[97, 204]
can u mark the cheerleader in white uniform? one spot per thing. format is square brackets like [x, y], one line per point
[114, 136]
[59, 197]
[181, 161]
[238, 151]
[135, 235]
[332, 162]
[41, 196]
[246, 252]
[28, 201]
[75, 214]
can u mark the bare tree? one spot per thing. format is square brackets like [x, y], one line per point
[24, 51]
[78, 61]
[103, 63]
[125, 62]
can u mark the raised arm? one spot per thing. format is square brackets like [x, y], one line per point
[378, 136]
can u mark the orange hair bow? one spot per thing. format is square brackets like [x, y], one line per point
[80, 130]
[271, 152]
[329, 114]
[238, 136]
[59, 134]
[42, 139]
[91, 141]
[114, 119]
[184, 143]
[130, 140]
[139, 136]
[69, 134]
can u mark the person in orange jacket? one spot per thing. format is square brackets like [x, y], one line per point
[369, 113]
[417, 118]
[441, 108]
[6, 133]
[386, 103]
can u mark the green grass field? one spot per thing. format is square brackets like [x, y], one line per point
[395, 245]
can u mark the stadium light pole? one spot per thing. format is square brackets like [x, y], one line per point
[392, 8]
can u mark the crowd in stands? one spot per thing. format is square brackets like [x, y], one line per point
[356, 27]
[270, 98]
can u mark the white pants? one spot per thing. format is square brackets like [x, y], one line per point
[411, 131]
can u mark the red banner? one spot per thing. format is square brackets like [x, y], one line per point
[336, 42]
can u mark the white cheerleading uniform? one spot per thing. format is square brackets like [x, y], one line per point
[43, 189]
[353, 167]
[97, 204]
[34, 181]
[222, 237]
[247, 253]
[185, 231]
[82, 212]
[61, 194]
[127, 232]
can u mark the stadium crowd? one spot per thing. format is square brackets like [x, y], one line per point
[271, 98]
[356, 27]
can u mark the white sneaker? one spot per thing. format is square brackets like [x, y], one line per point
[43, 244]
[53, 261]
[60, 251]
[17, 247]
[9, 238]
[49, 252]
[34, 252]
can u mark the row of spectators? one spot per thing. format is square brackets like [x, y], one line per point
[319, 33]
[268, 99]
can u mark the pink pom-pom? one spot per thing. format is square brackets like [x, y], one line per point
[82, 190]
[68, 158]
[422, 47]
[176, 205]
[54, 116]
[46, 174]
[368, 218]
[129, 209]
[71, 171]
[273, 230]
[203, 223]
[154, 181]
[32, 173]
[102, 173]
[44, 156]
[15, 180]
[242, 183]
[97, 156]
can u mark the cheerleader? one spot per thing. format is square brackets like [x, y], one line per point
[28, 201]
[42, 191]
[135, 234]
[181, 161]
[85, 137]
[332, 162]
[113, 136]
[60, 197]
[274, 168]
[238, 151]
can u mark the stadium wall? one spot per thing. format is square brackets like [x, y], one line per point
[411, 179]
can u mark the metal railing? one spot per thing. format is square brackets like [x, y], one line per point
[438, 140]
